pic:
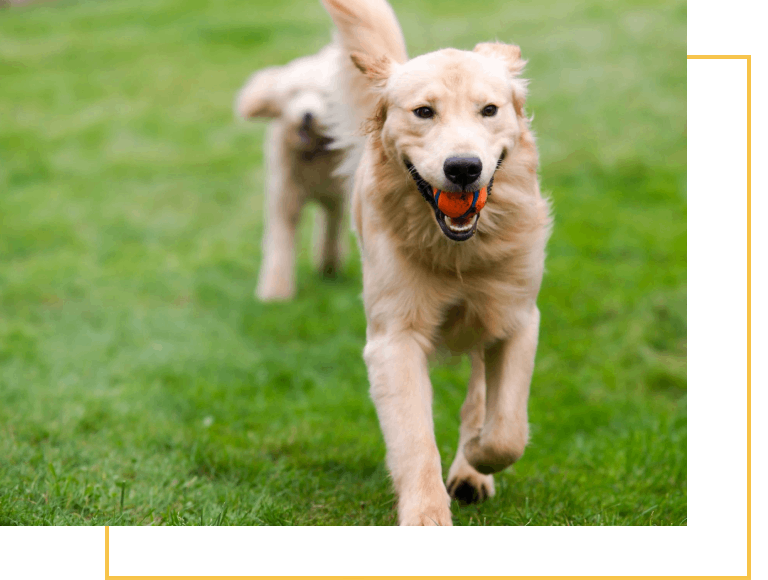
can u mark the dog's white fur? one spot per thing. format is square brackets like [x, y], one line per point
[300, 167]
[422, 290]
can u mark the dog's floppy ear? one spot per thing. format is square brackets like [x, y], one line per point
[377, 70]
[260, 96]
[511, 56]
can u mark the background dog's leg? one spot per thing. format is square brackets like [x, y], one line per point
[282, 207]
[328, 237]
[464, 482]
[400, 388]
[509, 367]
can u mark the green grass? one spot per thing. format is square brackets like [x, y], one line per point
[140, 383]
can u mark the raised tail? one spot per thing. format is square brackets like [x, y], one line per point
[367, 27]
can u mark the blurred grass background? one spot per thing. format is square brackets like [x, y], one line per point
[140, 383]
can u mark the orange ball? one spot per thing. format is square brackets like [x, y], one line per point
[457, 204]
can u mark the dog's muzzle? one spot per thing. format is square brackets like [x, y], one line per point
[457, 213]
[313, 142]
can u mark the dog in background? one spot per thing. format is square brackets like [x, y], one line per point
[300, 165]
[452, 230]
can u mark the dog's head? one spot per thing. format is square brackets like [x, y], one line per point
[297, 94]
[449, 118]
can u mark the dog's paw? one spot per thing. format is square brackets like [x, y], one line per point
[273, 292]
[434, 517]
[436, 512]
[466, 485]
[489, 455]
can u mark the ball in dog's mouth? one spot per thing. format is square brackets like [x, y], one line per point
[460, 211]
[457, 213]
[460, 204]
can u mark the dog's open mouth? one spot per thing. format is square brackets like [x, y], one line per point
[458, 229]
[313, 142]
[463, 207]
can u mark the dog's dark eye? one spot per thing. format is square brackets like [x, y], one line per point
[424, 112]
[490, 110]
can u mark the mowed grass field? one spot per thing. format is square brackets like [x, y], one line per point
[141, 383]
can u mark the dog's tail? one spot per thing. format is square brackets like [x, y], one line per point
[368, 28]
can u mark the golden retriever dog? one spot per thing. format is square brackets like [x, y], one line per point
[300, 166]
[445, 125]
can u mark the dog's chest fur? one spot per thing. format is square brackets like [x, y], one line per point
[485, 309]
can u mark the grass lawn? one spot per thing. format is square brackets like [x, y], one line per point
[141, 383]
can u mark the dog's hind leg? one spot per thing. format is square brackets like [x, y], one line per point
[464, 482]
[509, 368]
[328, 237]
[284, 200]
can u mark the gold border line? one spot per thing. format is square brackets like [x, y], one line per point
[421, 577]
[748, 58]
[720, 57]
[749, 316]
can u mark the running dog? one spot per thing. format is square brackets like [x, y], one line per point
[452, 230]
[300, 166]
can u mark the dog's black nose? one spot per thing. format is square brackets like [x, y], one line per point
[307, 121]
[463, 170]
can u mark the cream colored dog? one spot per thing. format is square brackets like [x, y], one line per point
[300, 165]
[451, 121]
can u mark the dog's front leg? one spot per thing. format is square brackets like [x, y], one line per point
[328, 237]
[464, 482]
[283, 205]
[508, 372]
[402, 393]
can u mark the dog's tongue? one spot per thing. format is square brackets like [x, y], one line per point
[462, 204]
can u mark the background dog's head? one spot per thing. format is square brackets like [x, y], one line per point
[297, 94]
